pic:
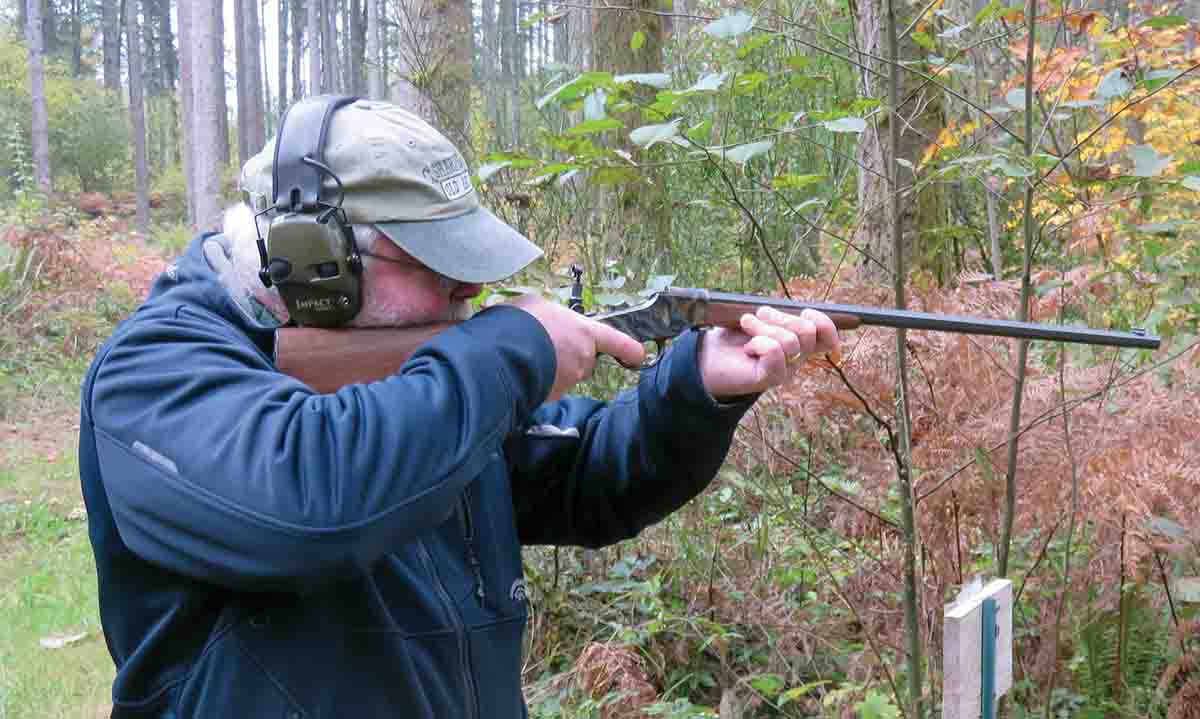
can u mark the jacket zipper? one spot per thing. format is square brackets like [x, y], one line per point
[464, 502]
[460, 633]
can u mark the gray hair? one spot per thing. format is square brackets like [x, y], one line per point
[365, 237]
[234, 256]
[242, 247]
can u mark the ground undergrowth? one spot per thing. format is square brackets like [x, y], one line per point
[53, 660]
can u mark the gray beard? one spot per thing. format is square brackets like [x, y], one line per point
[376, 314]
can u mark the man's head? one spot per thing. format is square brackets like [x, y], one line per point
[407, 193]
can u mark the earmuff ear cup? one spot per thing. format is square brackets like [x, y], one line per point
[322, 286]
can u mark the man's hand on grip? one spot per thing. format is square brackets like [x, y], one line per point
[577, 342]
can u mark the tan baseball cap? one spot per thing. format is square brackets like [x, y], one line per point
[401, 175]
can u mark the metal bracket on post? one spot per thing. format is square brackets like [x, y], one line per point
[987, 679]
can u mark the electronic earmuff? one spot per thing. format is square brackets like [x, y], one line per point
[309, 254]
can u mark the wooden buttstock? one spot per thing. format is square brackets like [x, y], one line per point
[329, 359]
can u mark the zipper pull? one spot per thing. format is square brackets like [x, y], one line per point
[473, 560]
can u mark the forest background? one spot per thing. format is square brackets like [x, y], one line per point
[1037, 160]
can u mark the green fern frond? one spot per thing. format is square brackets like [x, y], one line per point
[1135, 638]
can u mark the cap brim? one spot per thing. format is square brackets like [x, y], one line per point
[473, 247]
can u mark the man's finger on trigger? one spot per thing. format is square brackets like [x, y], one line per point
[618, 345]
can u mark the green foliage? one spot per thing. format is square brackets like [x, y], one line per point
[19, 270]
[174, 237]
[44, 350]
[89, 140]
[877, 706]
[1120, 654]
[711, 142]
[680, 708]
[16, 145]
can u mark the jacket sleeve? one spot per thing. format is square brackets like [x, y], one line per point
[590, 474]
[219, 467]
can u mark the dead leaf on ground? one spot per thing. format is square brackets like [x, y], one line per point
[58, 641]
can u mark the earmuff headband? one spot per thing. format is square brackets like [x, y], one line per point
[296, 183]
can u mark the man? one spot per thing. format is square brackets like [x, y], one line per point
[266, 551]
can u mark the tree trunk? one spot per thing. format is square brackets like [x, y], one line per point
[488, 66]
[243, 104]
[186, 98]
[385, 48]
[298, 18]
[579, 36]
[137, 117]
[413, 59]
[644, 205]
[358, 57]
[50, 42]
[76, 38]
[110, 32]
[449, 70]
[509, 123]
[151, 63]
[251, 131]
[521, 46]
[170, 61]
[331, 61]
[170, 70]
[374, 59]
[926, 210]
[316, 81]
[265, 75]
[207, 109]
[346, 36]
[37, 85]
[217, 63]
[281, 26]
[903, 452]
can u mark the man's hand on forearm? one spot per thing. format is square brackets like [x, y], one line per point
[764, 353]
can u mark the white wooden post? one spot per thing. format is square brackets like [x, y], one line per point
[962, 649]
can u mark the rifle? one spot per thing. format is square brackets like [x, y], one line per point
[328, 359]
